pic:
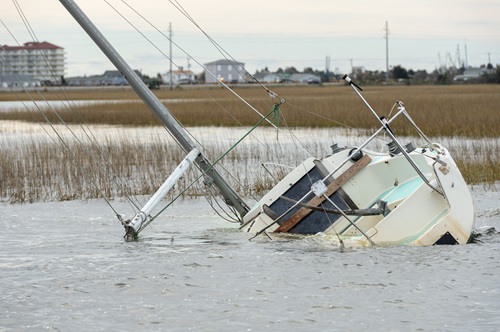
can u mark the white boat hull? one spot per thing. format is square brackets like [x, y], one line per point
[420, 214]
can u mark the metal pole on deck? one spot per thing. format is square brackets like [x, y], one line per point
[385, 126]
[155, 105]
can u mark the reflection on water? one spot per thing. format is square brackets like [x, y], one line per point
[30, 105]
[65, 266]
[17, 132]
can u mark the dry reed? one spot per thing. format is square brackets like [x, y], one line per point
[40, 171]
[458, 110]
[36, 171]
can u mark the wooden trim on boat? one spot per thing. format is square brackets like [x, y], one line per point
[316, 201]
[340, 191]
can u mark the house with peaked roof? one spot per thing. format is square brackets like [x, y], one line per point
[42, 61]
[226, 70]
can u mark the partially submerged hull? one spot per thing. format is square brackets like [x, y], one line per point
[408, 196]
[383, 200]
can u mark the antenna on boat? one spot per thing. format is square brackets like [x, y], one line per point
[385, 125]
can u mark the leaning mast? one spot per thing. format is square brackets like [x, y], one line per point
[155, 105]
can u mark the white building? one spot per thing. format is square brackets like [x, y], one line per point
[18, 80]
[268, 77]
[472, 73]
[179, 77]
[226, 70]
[42, 61]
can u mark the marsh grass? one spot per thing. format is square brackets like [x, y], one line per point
[33, 170]
[457, 110]
[41, 171]
[479, 162]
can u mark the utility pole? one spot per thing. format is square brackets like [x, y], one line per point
[466, 60]
[170, 38]
[386, 52]
[327, 68]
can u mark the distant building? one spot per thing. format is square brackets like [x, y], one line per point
[473, 73]
[305, 78]
[42, 61]
[110, 77]
[18, 80]
[226, 70]
[268, 77]
[357, 71]
[179, 77]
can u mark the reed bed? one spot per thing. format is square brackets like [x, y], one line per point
[458, 110]
[478, 162]
[38, 170]
[34, 170]
[43, 171]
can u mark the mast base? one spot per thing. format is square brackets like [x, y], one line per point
[130, 232]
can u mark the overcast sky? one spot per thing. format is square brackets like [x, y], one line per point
[278, 33]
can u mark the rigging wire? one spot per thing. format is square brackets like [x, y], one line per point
[341, 242]
[213, 165]
[92, 139]
[217, 46]
[63, 143]
[227, 55]
[58, 116]
[222, 51]
[133, 201]
[272, 94]
[154, 45]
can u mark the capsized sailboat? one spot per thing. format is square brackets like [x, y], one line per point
[407, 195]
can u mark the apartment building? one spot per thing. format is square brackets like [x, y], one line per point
[42, 61]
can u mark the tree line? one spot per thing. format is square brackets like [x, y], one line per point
[402, 75]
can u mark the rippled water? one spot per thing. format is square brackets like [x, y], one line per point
[64, 266]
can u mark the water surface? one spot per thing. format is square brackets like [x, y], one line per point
[65, 266]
